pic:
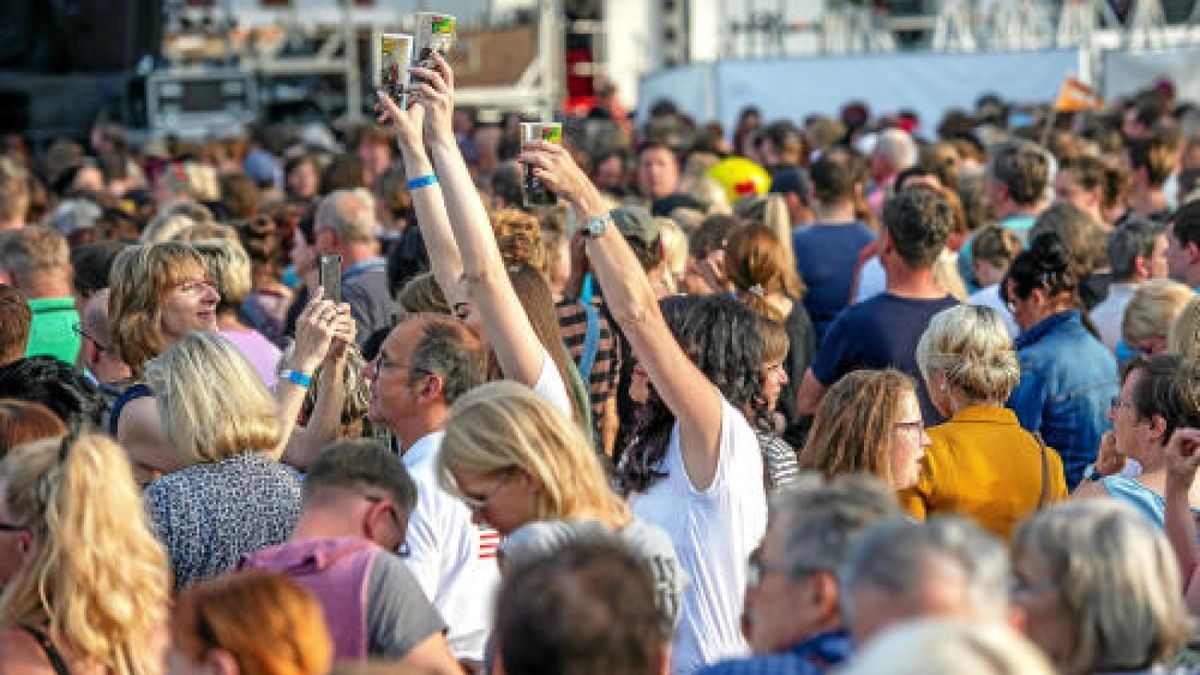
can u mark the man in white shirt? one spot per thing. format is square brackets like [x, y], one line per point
[1137, 252]
[422, 367]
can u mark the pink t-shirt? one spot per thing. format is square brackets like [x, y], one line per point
[259, 351]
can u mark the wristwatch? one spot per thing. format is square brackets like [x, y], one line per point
[1090, 472]
[596, 226]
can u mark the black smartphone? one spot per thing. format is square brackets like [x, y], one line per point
[329, 274]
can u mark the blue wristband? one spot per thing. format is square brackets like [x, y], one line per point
[297, 378]
[422, 181]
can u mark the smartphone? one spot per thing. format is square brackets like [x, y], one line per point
[537, 194]
[329, 274]
[434, 33]
[393, 52]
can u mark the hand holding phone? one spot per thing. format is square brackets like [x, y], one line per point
[329, 275]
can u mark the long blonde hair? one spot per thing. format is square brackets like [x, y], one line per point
[211, 403]
[97, 575]
[503, 425]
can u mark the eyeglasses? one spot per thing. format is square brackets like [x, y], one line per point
[196, 286]
[462, 310]
[12, 527]
[381, 363]
[476, 504]
[757, 569]
[88, 336]
[915, 426]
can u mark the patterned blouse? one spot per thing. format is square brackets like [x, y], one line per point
[209, 515]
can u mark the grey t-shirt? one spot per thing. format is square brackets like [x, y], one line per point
[648, 542]
[399, 616]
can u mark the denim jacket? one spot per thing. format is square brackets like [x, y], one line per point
[1068, 381]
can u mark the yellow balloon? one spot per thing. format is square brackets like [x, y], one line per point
[740, 177]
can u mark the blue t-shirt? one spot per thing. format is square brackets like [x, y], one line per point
[881, 332]
[826, 259]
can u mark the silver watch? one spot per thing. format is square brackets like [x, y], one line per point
[596, 226]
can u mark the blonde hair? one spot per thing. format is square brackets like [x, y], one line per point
[970, 346]
[853, 426]
[675, 252]
[228, 267]
[946, 276]
[938, 646]
[269, 623]
[97, 575]
[1118, 579]
[211, 403]
[504, 425]
[140, 279]
[1184, 336]
[1153, 308]
[174, 219]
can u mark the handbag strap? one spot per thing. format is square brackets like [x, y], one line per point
[1044, 499]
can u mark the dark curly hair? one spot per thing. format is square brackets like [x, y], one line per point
[1047, 265]
[720, 336]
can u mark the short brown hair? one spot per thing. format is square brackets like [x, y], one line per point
[15, 320]
[31, 249]
[24, 421]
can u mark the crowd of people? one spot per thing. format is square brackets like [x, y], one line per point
[849, 395]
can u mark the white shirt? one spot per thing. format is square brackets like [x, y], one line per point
[551, 387]
[453, 560]
[1108, 315]
[714, 532]
[990, 297]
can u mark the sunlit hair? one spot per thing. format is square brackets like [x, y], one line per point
[96, 575]
[24, 421]
[1118, 580]
[140, 279]
[502, 426]
[229, 268]
[212, 405]
[1153, 308]
[775, 339]
[423, 294]
[269, 623]
[519, 237]
[971, 347]
[939, 646]
[675, 252]
[854, 424]
[538, 302]
[757, 266]
[1184, 336]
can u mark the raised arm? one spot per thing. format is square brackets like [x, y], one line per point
[321, 322]
[1183, 458]
[516, 345]
[428, 202]
[694, 400]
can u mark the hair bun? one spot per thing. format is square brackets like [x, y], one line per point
[1050, 253]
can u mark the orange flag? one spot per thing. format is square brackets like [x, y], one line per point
[1075, 96]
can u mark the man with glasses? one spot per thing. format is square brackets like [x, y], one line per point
[97, 354]
[792, 616]
[423, 366]
[356, 502]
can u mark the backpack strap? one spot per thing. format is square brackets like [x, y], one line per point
[591, 343]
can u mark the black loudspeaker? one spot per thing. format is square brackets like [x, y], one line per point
[83, 36]
[110, 35]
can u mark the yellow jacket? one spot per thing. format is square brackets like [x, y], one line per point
[983, 465]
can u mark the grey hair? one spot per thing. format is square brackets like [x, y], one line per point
[1117, 578]
[1133, 239]
[971, 347]
[896, 557]
[826, 518]
[349, 213]
[898, 147]
[443, 346]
